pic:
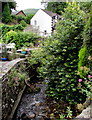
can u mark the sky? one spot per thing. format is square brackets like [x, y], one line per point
[24, 4]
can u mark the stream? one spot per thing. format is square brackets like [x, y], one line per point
[33, 105]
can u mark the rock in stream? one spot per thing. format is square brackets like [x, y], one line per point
[33, 105]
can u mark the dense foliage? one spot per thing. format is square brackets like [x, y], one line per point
[85, 57]
[6, 10]
[56, 7]
[30, 11]
[15, 34]
[65, 58]
[12, 4]
[23, 23]
[59, 63]
[22, 18]
[28, 18]
[21, 39]
[6, 15]
[82, 61]
[6, 28]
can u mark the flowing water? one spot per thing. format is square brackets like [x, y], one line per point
[33, 105]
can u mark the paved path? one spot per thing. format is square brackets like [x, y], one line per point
[7, 65]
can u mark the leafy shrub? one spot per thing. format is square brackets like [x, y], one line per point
[85, 59]
[26, 38]
[23, 23]
[59, 57]
[17, 76]
[85, 85]
[82, 61]
[17, 27]
[14, 17]
[28, 18]
[20, 38]
[20, 18]
[7, 28]
[10, 36]
[6, 16]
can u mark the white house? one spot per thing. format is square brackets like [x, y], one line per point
[45, 21]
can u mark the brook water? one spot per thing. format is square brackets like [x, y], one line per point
[33, 105]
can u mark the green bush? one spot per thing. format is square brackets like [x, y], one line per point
[28, 18]
[20, 18]
[14, 17]
[58, 57]
[6, 16]
[23, 23]
[82, 61]
[10, 36]
[17, 27]
[85, 58]
[7, 28]
[20, 38]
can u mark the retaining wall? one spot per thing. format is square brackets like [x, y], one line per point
[11, 87]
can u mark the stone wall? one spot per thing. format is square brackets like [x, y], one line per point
[12, 84]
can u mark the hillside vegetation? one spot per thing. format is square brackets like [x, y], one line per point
[30, 11]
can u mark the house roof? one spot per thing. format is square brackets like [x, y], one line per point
[17, 12]
[51, 13]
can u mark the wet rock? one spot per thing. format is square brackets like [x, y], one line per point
[47, 109]
[24, 117]
[39, 118]
[31, 115]
[52, 116]
[42, 115]
[33, 104]
[37, 104]
[37, 113]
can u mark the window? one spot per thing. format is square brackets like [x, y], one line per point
[45, 32]
[35, 22]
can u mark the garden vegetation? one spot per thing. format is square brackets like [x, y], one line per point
[15, 34]
[65, 59]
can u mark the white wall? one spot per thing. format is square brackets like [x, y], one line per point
[43, 21]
